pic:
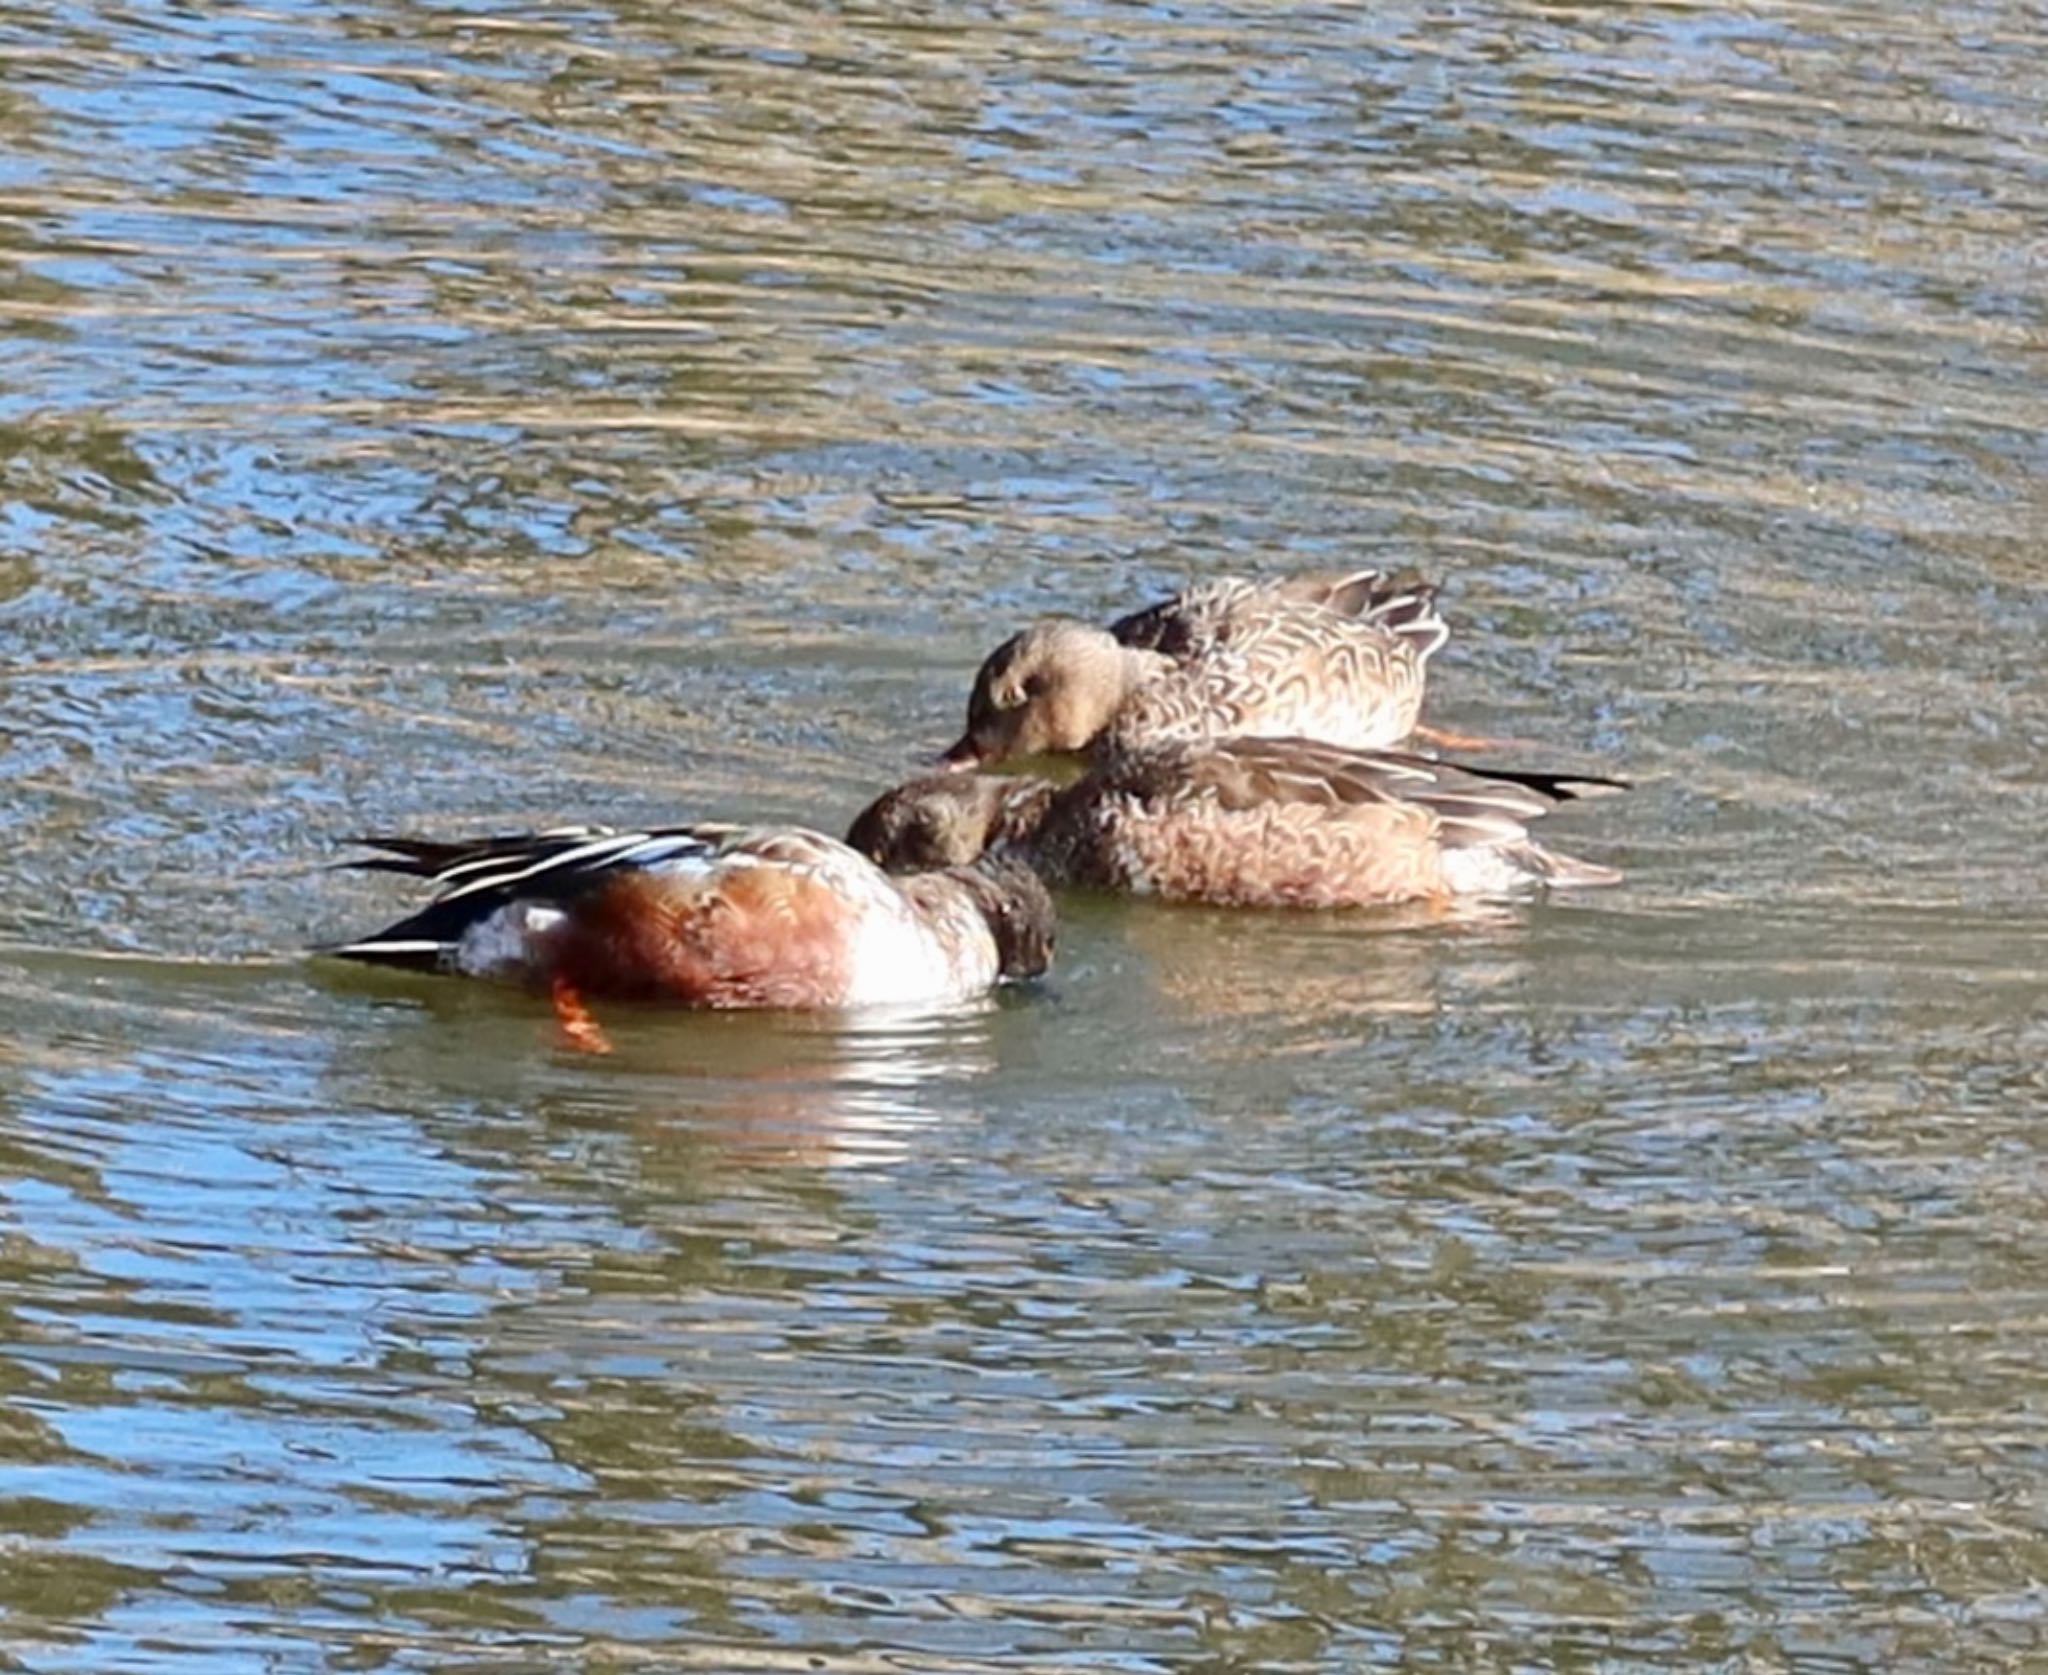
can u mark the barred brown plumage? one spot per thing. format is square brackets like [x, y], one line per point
[1271, 822]
[1338, 657]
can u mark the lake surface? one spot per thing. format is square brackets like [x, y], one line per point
[449, 416]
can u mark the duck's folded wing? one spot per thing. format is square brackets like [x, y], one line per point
[420, 857]
[1184, 625]
[1475, 804]
[479, 876]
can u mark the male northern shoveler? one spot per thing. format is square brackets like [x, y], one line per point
[1247, 822]
[709, 916]
[1338, 657]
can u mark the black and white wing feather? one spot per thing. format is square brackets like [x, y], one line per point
[479, 877]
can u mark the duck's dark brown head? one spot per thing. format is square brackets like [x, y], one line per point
[1019, 911]
[946, 820]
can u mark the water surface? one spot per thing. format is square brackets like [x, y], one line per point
[436, 416]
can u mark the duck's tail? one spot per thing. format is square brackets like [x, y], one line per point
[1403, 603]
[478, 877]
[1558, 872]
[1485, 814]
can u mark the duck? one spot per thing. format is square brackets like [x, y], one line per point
[1247, 822]
[1339, 657]
[706, 916]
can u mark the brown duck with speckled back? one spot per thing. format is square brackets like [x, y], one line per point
[1340, 658]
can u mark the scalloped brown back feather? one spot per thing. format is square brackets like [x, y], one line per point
[1340, 657]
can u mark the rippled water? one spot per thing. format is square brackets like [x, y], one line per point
[436, 415]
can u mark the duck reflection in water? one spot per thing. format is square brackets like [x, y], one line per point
[812, 1089]
[1307, 980]
[850, 1090]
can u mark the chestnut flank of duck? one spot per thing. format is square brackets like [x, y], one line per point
[709, 916]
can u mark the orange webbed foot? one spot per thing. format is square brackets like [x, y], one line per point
[579, 1028]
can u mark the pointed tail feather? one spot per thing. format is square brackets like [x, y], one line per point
[1354, 593]
[1562, 872]
[431, 857]
[402, 953]
[1406, 606]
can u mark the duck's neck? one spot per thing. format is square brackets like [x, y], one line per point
[1160, 704]
[1141, 668]
[1110, 682]
[1020, 810]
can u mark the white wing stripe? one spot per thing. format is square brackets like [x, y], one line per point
[491, 863]
[511, 871]
[651, 851]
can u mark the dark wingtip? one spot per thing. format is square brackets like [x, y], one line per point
[417, 857]
[957, 758]
[1559, 788]
[1563, 788]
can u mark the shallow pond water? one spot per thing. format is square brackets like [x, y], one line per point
[429, 415]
